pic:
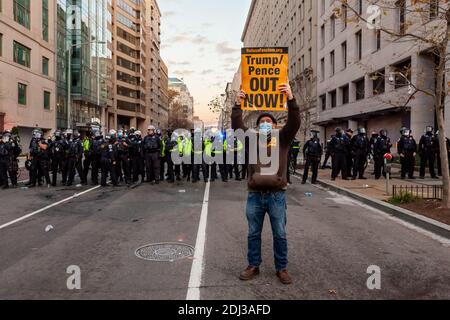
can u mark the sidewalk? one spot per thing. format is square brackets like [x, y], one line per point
[375, 188]
[426, 214]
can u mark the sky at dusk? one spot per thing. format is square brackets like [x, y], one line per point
[201, 41]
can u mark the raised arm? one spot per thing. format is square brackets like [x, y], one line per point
[236, 114]
[289, 131]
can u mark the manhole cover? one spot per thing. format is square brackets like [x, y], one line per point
[165, 252]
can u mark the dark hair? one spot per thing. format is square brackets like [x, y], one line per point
[264, 115]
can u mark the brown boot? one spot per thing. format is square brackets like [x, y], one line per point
[249, 273]
[284, 277]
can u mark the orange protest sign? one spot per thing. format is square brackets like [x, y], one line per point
[263, 70]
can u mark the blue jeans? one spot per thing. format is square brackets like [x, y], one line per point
[258, 204]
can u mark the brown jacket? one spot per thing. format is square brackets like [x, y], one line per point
[278, 182]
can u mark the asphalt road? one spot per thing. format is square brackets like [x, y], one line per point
[332, 242]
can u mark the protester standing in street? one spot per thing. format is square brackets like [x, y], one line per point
[267, 193]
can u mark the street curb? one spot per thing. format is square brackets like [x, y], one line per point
[423, 222]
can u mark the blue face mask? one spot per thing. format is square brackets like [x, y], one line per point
[265, 128]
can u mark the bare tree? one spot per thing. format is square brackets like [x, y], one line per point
[177, 114]
[425, 24]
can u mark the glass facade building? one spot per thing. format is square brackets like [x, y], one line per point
[83, 32]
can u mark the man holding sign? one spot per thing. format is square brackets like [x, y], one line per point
[263, 71]
[267, 191]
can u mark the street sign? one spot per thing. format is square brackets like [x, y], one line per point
[263, 70]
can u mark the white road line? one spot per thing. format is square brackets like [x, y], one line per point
[47, 207]
[195, 279]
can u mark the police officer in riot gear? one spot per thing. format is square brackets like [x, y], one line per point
[427, 152]
[381, 147]
[312, 153]
[197, 156]
[407, 148]
[152, 150]
[96, 156]
[360, 150]
[74, 158]
[137, 156]
[10, 160]
[339, 146]
[58, 149]
[4, 159]
[108, 160]
[88, 153]
[40, 158]
[168, 146]
[123, 159]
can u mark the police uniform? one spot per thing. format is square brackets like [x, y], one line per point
[123, 160]
[339, 146]
[137, 158]
[96, 158]
[108, 158]
[381, 147]
[360, 150]
[427, 151]
[407, 148]
[152, 150]
[74, 160]
[312, 152]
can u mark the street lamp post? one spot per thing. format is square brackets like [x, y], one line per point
[69, 79]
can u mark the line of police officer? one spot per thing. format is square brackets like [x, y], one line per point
[350, 153]
[126, 156]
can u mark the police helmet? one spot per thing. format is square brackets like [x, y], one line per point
[406, 132]
[6, 136]
[138, 133]
[37, 133]
[383, 133]
[429, 129]
[120, 134]
[58, 134]
[402, 129]
[362, 131]
[314, 133]
[108, 138]
[151, 127]
[76, 134]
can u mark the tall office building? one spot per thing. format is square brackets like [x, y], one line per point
[83, 62]
[137, 65]
[27, 66]
[365, 75]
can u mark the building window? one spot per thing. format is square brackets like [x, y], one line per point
[333, 98]
[322, 36]
[360, 7]
[434, 9]
[360, 89]
[377, 39]
[323, 102]
[344, 54]
[359, 45]
[22, 12]
[344, 16]
[47, 100]
[45, 20]
[22, 54]
[345, 94]
[45, 63]
[322, 69]
[332, 27]
[378, 82]
[332, 63]
[401, 12]
[22, 94]
[1, 44]
[402, 74]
